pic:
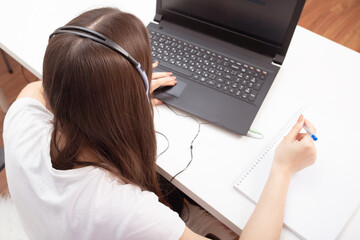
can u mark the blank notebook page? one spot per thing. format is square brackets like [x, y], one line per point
[322, 197]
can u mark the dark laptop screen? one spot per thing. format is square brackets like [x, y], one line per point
[265, 20]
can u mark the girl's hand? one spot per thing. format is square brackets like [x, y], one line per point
[297, 150]
[160, 79]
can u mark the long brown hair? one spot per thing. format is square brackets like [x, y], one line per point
[98, 99]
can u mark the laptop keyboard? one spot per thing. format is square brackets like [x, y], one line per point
[206, 67]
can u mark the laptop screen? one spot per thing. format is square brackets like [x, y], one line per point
[265, 20]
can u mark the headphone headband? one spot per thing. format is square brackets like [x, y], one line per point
[102, 39]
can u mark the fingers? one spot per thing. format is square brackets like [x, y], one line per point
[155, 102]
[310, 126]
[300, 136]
[294, 132]
[155, 64]
[160, 82]
[157, 75]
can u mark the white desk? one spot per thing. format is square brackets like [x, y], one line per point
[326, 75]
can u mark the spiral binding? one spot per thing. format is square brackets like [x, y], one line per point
[283, 132]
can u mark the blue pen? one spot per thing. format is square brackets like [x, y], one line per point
[309, 132]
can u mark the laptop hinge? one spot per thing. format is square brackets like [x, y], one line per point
[158, 17]
[278, 59]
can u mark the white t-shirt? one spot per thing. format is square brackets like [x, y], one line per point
[84, 203]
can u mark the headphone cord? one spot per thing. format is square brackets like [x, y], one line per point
[252, 134]
[191, 144]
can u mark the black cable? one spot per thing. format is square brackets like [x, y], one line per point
[23, 73]
[191, 153]
[192, 142]
[188, 211]
[168, 143]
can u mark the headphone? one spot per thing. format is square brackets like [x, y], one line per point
[102, 39]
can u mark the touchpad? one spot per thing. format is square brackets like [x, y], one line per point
[174, 90]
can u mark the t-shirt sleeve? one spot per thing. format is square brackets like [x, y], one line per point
[25, 124]
[26, 114]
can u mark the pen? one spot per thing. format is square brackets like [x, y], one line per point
[309, 132]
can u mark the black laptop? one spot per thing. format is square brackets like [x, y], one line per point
[225, 54]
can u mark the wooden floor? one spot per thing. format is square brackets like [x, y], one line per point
[338, 20]
[11, 85]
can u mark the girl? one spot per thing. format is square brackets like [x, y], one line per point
[80, 145]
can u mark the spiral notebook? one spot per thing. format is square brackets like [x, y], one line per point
[322, 197]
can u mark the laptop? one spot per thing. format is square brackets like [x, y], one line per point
[225, 54]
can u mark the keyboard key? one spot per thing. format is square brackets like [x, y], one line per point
[211, 82]
[175, 68]
[212, 76]
[257, 85]
[220, 80]
[235, 67]
[185, 66]
[227, 76]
